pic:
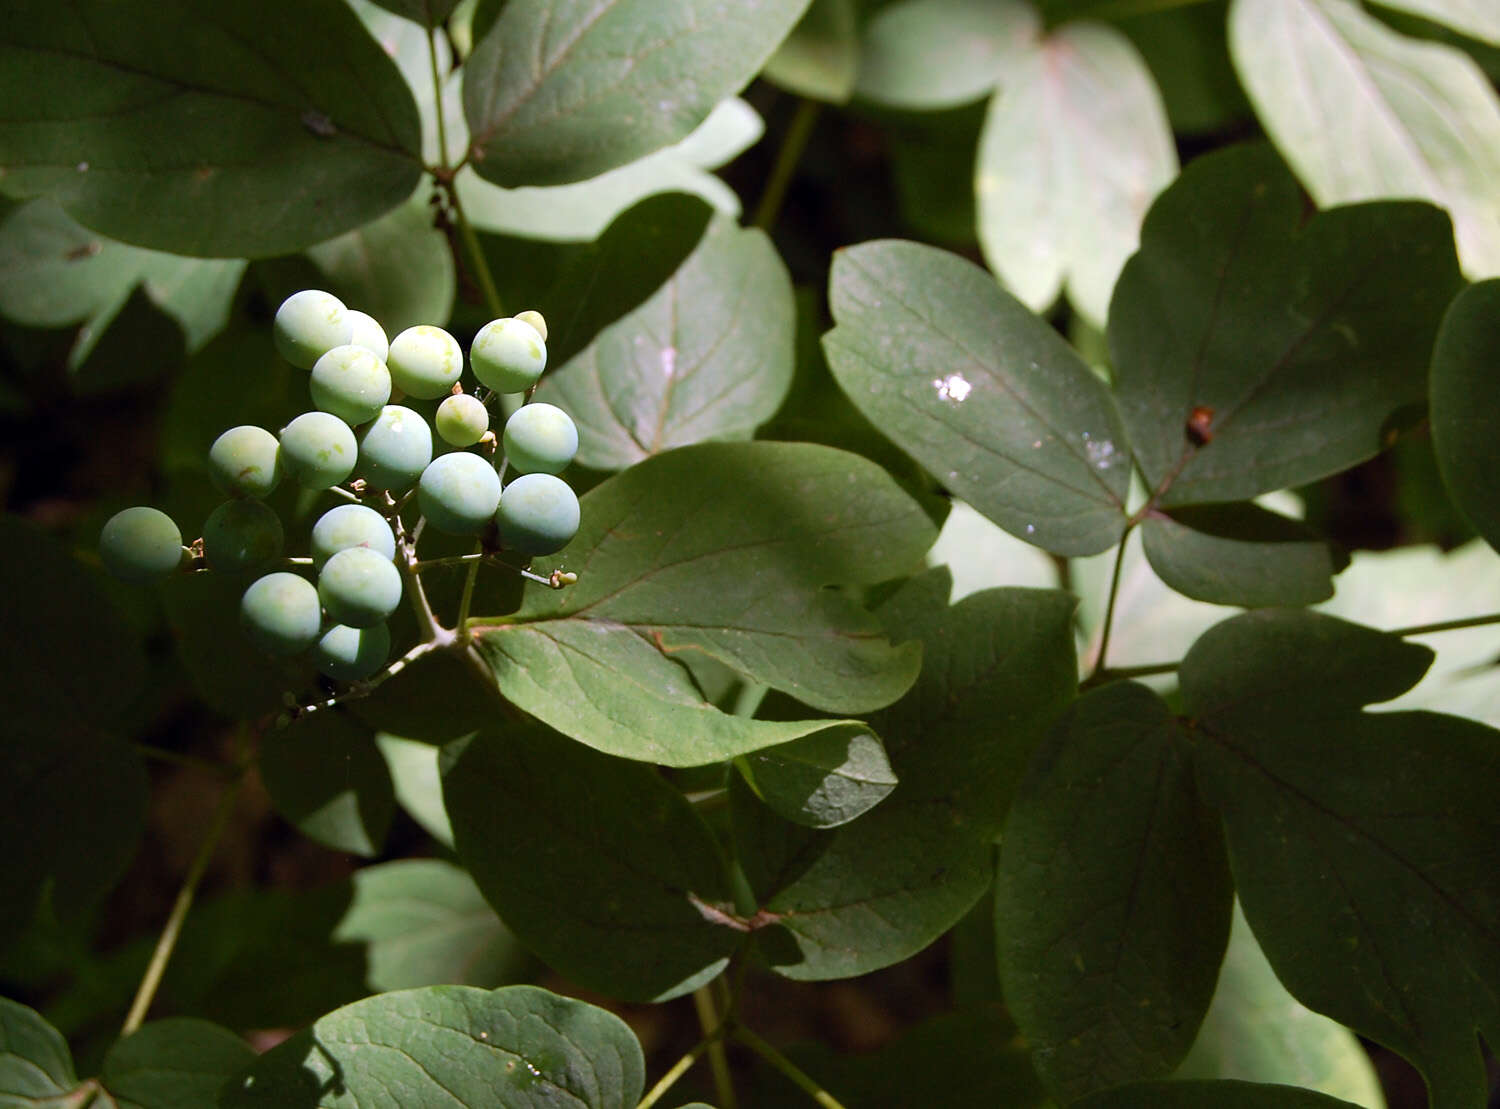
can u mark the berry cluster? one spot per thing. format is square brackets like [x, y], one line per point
[378, 455]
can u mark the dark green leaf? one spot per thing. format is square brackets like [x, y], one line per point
[1466, 408]
[1329, 332]
[1187, 51]
[1239, 554]
[597, 864]
[931, 54]
[244, 130]
[727, 549]
[35, 1063]
[819, 58]
[325, 775]
[419, 787]
[423, 922]
[429, 13]
[561, 90]
[1416, 119]
[1112, 901]
[1221, 1095]
[981, 392]
[708, 356]
[438, 698]
[173, 1064]
[1257, 1032]
[822, 781]
[1064, 174]
[520, 1047]
[1364, 845]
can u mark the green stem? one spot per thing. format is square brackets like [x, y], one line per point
[718, 1060]
[151, 980]
[476, 255]
[793, 143]
[786, 1067]
[1448, 625]
[1121, 672]
[437, 97]
[668, 1080]
[1109, 608]
[467, 600]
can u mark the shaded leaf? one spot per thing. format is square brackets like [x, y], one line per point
[1364, 845]
[325, 775]
[1465, 411]
[981, 392]
[1187, 51]
[429, 13]
[561, 90]
[1332, 323]
[1257, 1032]
[517, 1046]
[1221, 1095]
[726, 549]
[824, 780]
[1066, 169]
[1474, 18]
[35, 1063]
[708, 356]
[419, 786]
[931, 54]
[173, 1064]
[820, 56]
[576, 849]
[1239, 554]
[932, 166]
[1112, 899]
[1416, 119]
[247, 130]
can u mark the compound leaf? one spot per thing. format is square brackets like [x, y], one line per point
[1328, 336]
[819, 58]
[1466, 405]
[1364, 846]
[244, 130]
[178, 1063]
[708, 356]
[35, 1063]
[517, 1046]
[1112, 900]
[561, 90]
[981, 392]
[577, 850]
[926, 55]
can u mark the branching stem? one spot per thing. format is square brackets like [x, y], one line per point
[769, 1053]
[718, 1061]
[1109, 607]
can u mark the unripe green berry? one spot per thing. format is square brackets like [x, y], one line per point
[318, 450]
[425, 361]
[508, 355]
[281, 614]
[359, 587]
[245, 462]
[140, 544]
[348, 654]
[458, 493]
[534, 318]
[538, 514]
[308, 325]
[462, 420]
[394, 449]
[350, 525]
[241, 535]
[369, 334]
[350, 382]
[540, 439]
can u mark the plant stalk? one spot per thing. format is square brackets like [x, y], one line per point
[793, 144]
[718, 1059]
[804, 1081]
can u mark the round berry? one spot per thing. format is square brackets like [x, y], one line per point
[540, 439]
[369, 334]
[351, 525]
[245, 462]
[241, 535]
[350, 382]
[462, 420]
[140, 544]
[394, 449]
[280, 613]
[538, 514]
[309, 324]
[318, 450]
[458, 493]
[534, 318]
[359, 587]
[508, 355]
[348, 654]
[425, 361]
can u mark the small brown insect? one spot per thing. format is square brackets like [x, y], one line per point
[1200, 423]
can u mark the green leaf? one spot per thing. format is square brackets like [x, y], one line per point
[727, 549]
[981, 392]
[419, 787]
[54, 273]
[1363, 844]
[1465, 411]
[429, 13]
[1064, 173]
[1112, 900]
[325, 775]
[581, 212]
[398, 268]
[1257, 1032]
[519, 1046]
[822, 781]
[1239, 554]
[1416, 119]
[1187, 51]
[173, 1064]
[1330, 333]
[577, 850]
[248, 130]
[1474, 18]
[1221, 1095]
[561, 90]
[819, 58]
[35, 1063]
[423, 922]
[932, 54]
[406, 40]
[708, 356]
